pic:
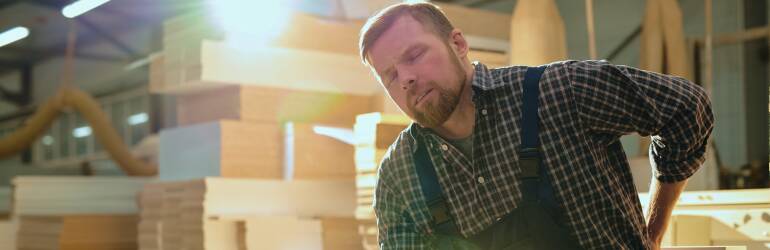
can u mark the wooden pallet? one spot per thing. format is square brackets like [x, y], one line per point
[203, 214]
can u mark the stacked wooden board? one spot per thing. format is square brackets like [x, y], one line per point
[268, 121]
[248, 113]
[211, 213]
[8, 234]
[230, 148]
[63, 212]
[374, 132]
[70, 195]
[737, 217]
[268, 104]
[283, 110]
[287, 232]
[310, 54]
[75, 232]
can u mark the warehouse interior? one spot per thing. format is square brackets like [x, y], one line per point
[206, 124]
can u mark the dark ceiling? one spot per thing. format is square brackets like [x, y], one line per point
[49, 29]
[105, 24]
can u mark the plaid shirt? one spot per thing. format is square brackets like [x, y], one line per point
[585, 107]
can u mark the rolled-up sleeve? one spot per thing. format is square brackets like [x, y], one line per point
[614, 99]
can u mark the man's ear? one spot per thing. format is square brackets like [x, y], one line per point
[458, 43]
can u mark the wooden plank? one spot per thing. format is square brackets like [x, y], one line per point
[268, 104]
[195, 59]
[537, 33]
[275, 197]
[223, 148]
[590, 27]
[316, 156]
[198, 214]
[340, 233]
[708, 48]
[738, 36]
[78, 232]
[477, 22]
[308, 32]
[221, 63]
[374, 134]
[677, 61]
[8, 233]
[61, 195]
[651, 51]
[282, 233]
[291, 232]
[156, 78]
[255, 150]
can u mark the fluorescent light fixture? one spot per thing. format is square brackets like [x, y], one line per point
[78, 8]
[246, 23]
[12, 35]
[48, 140]
[138, 118]
[81, 132]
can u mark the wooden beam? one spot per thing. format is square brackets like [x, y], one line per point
[708, 41]
[537, 33]
[590, 25]
[737, 37]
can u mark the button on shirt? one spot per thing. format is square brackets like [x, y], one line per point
[584, 109]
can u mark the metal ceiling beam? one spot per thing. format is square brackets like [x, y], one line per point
[626, 41]
[8, 3]
[58, 5]
[21, 52]
[55, 50]
[109, 37]
[23, 97]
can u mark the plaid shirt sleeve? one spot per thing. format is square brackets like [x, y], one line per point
[395, 232]
[619, 100]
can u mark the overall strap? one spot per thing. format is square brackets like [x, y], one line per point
[529, 155]
[442, 221]
[529, 152]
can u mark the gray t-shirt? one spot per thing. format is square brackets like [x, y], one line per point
[465, 145]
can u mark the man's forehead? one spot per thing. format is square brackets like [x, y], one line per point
[397, 38]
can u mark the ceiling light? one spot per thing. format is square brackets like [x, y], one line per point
[78, 8]
[12, 35]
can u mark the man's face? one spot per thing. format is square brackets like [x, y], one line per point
[420, 71]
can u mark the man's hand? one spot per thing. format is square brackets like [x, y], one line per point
[663, 197]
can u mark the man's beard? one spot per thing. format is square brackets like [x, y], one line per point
[432, 115]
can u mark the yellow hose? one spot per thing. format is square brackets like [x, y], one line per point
[84, 104]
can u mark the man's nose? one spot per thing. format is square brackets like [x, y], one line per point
[408, 81]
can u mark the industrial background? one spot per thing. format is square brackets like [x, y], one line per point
[109, 108]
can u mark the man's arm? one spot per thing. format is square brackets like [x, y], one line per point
[619, 100]
[663, 197]
[394, 229]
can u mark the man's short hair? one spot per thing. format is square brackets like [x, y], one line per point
[429, 15]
